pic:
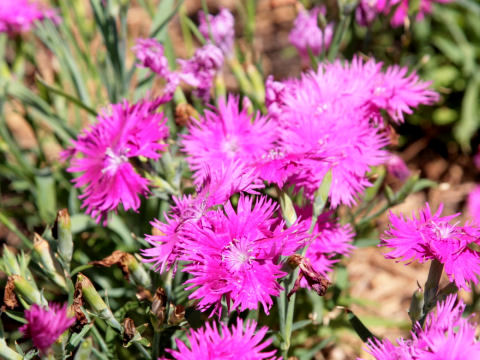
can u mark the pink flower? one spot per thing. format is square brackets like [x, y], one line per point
[446, 335]
[221, 27]
[227, 135]
[366, 12]
[238, 257]
[18, 16]
[307, 35]
[241, 342]
[45, 326]
[103, 152]
[150, 53]
[401, 9]
[332, 120]
[200, 70]
[430, 237]
[218, 186]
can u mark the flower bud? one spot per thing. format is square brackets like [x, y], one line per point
[96, 302]
[63, 226]
[26, 292]
[397, 167]
[158, 309]
[177, 314]
[47, 262]
[185, 114]
[415, 312]
[288, 211]
[10, 264]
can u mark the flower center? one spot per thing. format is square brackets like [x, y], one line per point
[230, 146]
[237, 255]
[112, 162]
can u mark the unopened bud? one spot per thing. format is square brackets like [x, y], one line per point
[185, 114]
[415, 312]
[26, 292]
[397, 167]
[46, 261]
[93, 298]
[63, 227]
[288, 211]
[139, 275]
[158, 309]
[10, 263]
[177, 314]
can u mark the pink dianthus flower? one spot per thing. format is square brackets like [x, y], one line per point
[332, 120]
[227, 135]
[103, 154]
[401, 9]
[446, 335]
[221, 27]
[433, 237]
[45, 326]
[189, 212]
[200, 70]
[307, 35]
[238, 257]
[241, 343]
[17, 16]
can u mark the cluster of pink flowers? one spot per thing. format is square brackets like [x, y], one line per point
[17, 16]
[433, 237]
[200, 70]
[241, 342]
[103, 155]
[331, 120]
[308, 37]
[445, 335]
[231, 254]
[45, 326]
[368, 10]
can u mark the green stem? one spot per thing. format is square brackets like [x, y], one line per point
[338, 37]
[157, 335]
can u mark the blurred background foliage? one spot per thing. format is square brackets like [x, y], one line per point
[54, 81]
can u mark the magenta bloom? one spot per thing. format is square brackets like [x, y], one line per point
[221, 27]
[17, 16]
[104, 153]
[332, 120]
[307, 35]
[200, 70]
[241, 342]
[238, 257]
[432, 237]
[45, 326]
[401, 9]
[150, 53]
[227, 135]
[446, 335]
[188, 212]
[366, 12]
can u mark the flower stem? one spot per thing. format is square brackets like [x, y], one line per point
[431, 287]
